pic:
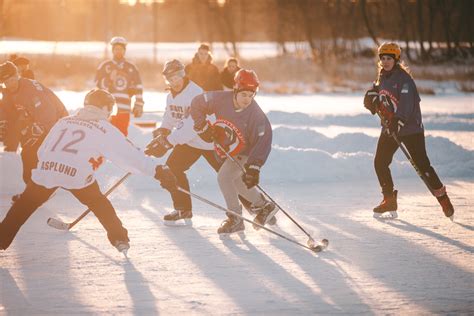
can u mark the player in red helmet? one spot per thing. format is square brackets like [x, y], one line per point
[244, 132]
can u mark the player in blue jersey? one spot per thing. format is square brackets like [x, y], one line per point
[122, 79]
[29, 110]
[243, 130]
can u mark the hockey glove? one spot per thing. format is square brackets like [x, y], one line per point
[395, 125]
[371, 100]
[3, 130]
[158, 147]
[160, 131]
[32, 135]
[166, 177]
[251, 176]
[138, 108]
[206, 132]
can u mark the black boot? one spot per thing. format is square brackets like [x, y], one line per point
[266, 215]
[448, 208]
[388, 204]
[173, 217]
[232, 224]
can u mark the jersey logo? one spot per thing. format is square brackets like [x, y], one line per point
[229, 137]
[96, 163]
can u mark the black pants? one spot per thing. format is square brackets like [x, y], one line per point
[29, 159]
[35, 195]
[415, 144]
[180, 160]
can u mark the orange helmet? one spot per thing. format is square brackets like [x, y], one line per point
[390, 48]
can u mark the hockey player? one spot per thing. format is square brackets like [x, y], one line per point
[68, 158]
[176, 132]
[243, 130]
[395, 96]
[122, 79]
[202, 70]
[29, 111]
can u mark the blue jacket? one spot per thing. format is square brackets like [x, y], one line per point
[401, 89]
[32, 103]
[248, 132]
[122, 80]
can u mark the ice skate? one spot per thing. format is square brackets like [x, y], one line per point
[388, 205]
[265, 215]
[231, 225]
[122, 246]
[254, 210]
[178, 218]
[448, 208]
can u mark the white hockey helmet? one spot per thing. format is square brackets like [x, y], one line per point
[118, 40]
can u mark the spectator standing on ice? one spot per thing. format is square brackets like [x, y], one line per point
[395, 96]
[243, 130]
[122, 79]
[202, 71]
[228, 73]
[29, 111]
[68, 158]
[176, 132]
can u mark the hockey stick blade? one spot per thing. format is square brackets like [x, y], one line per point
[55, 223]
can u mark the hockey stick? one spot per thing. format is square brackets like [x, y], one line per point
[407, 154]
[310, 241]
[58, 224]
[315, 248]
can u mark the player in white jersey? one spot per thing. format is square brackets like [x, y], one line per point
[176, 131]
[68, 159]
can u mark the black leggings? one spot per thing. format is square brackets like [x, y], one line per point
[35, 195]
[415, 144]
[180, 160]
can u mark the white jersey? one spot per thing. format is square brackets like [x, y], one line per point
[178, 120]
[75, 148]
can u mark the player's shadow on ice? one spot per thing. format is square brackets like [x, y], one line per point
[12, 299]
[406, 226]
[243, 272]
[144, 302]
[468, 227]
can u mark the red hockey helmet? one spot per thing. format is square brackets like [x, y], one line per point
[246, 80]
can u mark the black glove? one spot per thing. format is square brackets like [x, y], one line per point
[395, 125]
[166, 177]
[371, 100]
[158, 147]
[32, 134]
[251, 176]
[206, 132]
[160, 131]
[3, 130]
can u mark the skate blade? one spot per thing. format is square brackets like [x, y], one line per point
[390, 215]
[179, 222]
[228, 236]
[451, 218]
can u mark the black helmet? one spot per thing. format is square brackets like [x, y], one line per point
[7, 70]
[99, 98]
[173, 67]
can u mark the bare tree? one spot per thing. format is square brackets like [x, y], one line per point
[366, 21]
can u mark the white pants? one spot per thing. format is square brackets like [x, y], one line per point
[231, 185]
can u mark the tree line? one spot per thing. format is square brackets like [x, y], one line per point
[429, 30]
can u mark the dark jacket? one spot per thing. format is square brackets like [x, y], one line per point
[399, 86]
[204, 75]
[227, 78]
[248, 128]
[32, 103]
